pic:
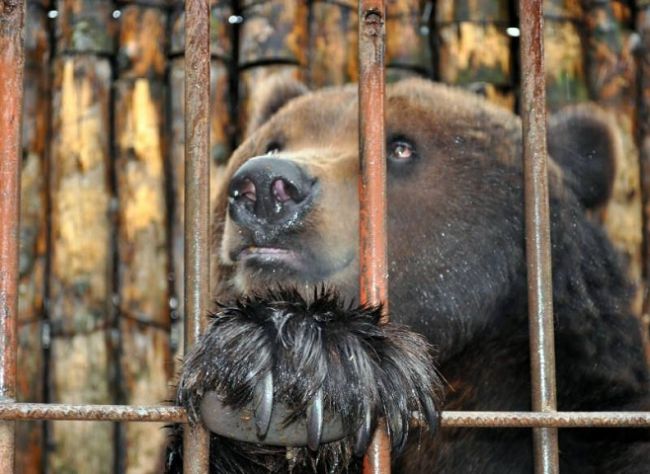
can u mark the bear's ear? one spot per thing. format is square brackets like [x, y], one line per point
[270, 96]
[584, 142]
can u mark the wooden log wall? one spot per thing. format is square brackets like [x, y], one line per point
[33, 233]
[273, 41]
[474, 48]
[643, 140]
[101, 265]
[564, 53]
[333, 44]
[143, 323]
[81, 254]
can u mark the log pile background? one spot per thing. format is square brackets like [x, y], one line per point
[102, 180]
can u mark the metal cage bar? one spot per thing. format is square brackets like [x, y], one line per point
[373, 272]
[448, 419]
[12, 17]
[196, 440]
[538, 233]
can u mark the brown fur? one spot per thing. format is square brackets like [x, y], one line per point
[457, 263]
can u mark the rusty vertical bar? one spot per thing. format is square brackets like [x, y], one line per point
[373, 283]
[12, 15]
[538, 234]
[196, 440]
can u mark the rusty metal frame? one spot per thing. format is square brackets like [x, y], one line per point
[538, 231]
[373, 267]
[373, 285]
[12, 57]
[448, 419]
[196, 439]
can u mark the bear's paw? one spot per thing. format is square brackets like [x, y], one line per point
[281, 370]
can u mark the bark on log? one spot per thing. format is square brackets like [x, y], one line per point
[80, 376]
[474, 49]
[82, 233]
[643, 116]
[85, 26]
[274, 31]
[408, 51]
[142, 283]
[274, 35]
[148, 377]
[142, 41]
[564, 54]
[448, 11]
[333, 44]
[29, 436]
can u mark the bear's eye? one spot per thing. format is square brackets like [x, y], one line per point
[273, 148]
[401, 151]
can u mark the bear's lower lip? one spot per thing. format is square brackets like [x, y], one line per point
[268, 255]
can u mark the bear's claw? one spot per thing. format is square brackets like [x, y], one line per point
[264, 405]
[239, 424]
[315, 420]
[363, 434]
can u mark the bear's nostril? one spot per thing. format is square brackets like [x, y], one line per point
[246, 190]
[284, 191]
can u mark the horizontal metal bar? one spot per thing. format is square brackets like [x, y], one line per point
[449, 419]
[567, 419]
[53, 411]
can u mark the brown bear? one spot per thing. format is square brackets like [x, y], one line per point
[288, 224]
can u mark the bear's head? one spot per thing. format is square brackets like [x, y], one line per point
[289, 215]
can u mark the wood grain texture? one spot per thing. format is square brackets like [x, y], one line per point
[643, 116]
[274, 31]
[453, 11]
[564, 54]
[80, 279]
[80, 376]
[147, 372]
[332, 44]
[33, 180]
[142, 247]
[33, 232]
[85, 26]
[408, 51]
[474, 49]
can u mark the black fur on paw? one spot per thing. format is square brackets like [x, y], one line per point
[317, 356]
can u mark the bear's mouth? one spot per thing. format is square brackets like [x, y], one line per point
[268, 256]
[281, 262]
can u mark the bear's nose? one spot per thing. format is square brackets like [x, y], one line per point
[267, 192]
